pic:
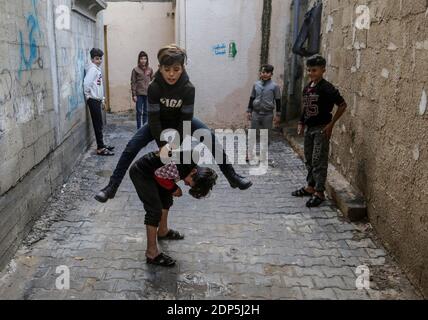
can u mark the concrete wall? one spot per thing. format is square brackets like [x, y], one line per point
[44, 125]
[279, 41]
[381, 145]
[148, 26]
[223, 83]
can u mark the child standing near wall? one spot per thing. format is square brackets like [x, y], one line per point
[141, 76]
[319, 98]
[93, 88]
[265, 99]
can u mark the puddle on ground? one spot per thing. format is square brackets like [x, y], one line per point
[104, 173]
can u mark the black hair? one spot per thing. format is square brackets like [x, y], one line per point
[267, 68]
[172, 54]
[204, 179]
[143, 54]
[316, 61]
[95, 52]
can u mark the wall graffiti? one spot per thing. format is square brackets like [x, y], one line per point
[33, 33]
[219, 49]
[73, 87]
[26, 99]
[5, 86]
[29, 103]
[76, 97]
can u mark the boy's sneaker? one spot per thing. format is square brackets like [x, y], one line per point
[107, 193]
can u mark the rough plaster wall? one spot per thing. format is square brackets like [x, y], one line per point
[132, 27]
[381, 143]
[44, 124]
[31, 122]
[26, 108]
[223, 84]
[280, 25]
[72, 52]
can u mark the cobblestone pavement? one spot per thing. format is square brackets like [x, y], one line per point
[255, 244]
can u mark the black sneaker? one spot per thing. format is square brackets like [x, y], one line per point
[107, 193]
[236, 180]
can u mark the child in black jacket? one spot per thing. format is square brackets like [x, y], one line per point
[155, 183]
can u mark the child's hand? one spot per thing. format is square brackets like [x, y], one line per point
[134, 98]
[276, 121]
[165, 152]
[249, 116]
[178, 193]
[328, 130]
[300, 129]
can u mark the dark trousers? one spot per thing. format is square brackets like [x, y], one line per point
[97, 121]
[154, 197]
[143, 137]
[316, 155]
[141, 106]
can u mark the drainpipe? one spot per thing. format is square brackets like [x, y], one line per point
[296, 8]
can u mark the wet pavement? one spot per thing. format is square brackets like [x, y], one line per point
[255, 244]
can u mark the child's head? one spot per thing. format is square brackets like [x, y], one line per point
[201, 180]
[143, 59]
[266, 72]
[316, 67]
[171, 63]
[97, 56]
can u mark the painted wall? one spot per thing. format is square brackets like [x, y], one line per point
[381, 145]
[223, 78]
[148, 26]
[44, 125]
[279, 41]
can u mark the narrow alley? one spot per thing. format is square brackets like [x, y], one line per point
[255, 244]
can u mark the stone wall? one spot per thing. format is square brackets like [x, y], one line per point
[133, 26]
[381, 144]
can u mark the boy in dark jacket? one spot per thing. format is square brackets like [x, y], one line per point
[319, 98]
[171, 98]
[156, 185]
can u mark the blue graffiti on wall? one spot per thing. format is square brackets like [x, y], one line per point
[219, 49]
[34, 30]
[77, 97]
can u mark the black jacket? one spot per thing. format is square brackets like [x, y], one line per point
[309, 39]
[169, 105]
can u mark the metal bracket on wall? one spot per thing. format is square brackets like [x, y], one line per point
[88, 8]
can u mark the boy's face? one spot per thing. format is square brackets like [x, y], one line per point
[97, 61]
[316, 73]
[188, 181]
[143, 61]
[171, 74]
[265, 75]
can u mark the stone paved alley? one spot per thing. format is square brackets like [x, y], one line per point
[258, 244]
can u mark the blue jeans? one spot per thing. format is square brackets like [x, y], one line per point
[141, 110]
[143, 137]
